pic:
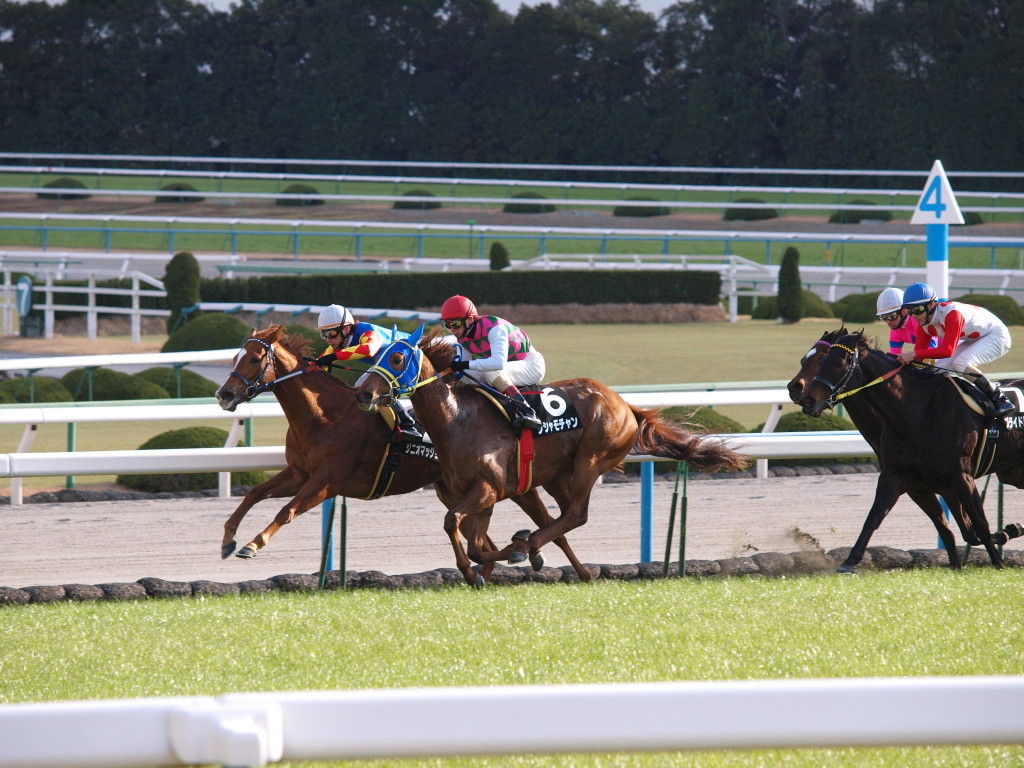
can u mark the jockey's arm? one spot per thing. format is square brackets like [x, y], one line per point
[498, 338]
[954, 326]
[369, 344]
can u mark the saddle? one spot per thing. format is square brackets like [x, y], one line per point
[524, 437]
[396, 449]
[980, 403]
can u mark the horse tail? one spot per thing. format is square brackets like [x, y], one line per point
[658, 437]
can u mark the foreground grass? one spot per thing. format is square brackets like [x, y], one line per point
[913, 623]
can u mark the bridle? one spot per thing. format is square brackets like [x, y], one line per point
[257, 385]
[406, 381]
[838, 390]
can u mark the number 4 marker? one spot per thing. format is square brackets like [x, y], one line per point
[937, 204]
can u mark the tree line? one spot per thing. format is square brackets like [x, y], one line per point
[888, 84]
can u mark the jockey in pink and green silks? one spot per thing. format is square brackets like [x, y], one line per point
[500, 353]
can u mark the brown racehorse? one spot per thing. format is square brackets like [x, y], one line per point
[332, 447]
[922, 432]
[477, 445]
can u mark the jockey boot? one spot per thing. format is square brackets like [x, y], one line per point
[1002, 405]
[410, 434]
[525, 415]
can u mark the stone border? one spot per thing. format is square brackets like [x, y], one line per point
[761, 565]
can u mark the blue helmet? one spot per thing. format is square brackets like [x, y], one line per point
[918, 293]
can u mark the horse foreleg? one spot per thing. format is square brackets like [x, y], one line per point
[481, 547]
[887, 491]
[532, 504]
[313, 492]
[929, 504]
[287, 482]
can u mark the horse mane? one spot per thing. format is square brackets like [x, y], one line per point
[921, 372]
[438, 350]
[296, 344]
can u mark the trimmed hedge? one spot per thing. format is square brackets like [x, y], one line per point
[167, 194]
[856, 217]
[416, 205]
[192, 384]
[108, 384]
[43, 389]
[190, 437]
[299, 189]
[416, 291]
[64, 182]
[641, 210]
[1003, 307]
[533, 207]
[857, 308]
[213, 331]
[768, 307]
[749, 214]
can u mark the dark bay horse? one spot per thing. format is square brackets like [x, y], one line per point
[477, 445]
[332, 447]
[924, 435]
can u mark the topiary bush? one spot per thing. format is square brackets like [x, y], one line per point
[1003, 307]
[972, 218]
[641, 210]
[64, 182]
[189, 437]
[416, 205]
[182, 283]
[768, 307]
[534, 207]
[749, 214]
[856, 308]
[499, 257]
[213, 331]
[167, 194]
[857, 216]
[801, 422]
[299, 189]
[108, 384]
[43, 389]
[192, 384]
[790, 305]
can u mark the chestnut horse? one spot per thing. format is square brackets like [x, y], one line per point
[477, 446]
[924, 435]
[332, 448]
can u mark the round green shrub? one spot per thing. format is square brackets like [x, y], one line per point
[801, 422]
[641, 211]
[1003, 307]
[972, 218]
[213, 331]
[416, 205]
[499, 257]
[813, 306]
[749, 214]
[64, 182]
[169, 197]
[43, 389]
[189, 437]
[534, 207]
[857, 216]
[192, 384]
[300, 189]
[108, 384]
[856, 308]
[182, 281]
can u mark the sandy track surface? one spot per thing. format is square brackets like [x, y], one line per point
[179, 539]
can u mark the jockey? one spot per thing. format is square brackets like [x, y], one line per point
[349, 340]
[968, 336]
[903, 329]
[500, 352]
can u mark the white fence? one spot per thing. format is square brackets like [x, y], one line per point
[253, 729]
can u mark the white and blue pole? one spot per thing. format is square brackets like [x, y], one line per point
[937, 209]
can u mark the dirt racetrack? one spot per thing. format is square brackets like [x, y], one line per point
[179, 539]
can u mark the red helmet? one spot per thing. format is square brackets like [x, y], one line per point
[458, 307]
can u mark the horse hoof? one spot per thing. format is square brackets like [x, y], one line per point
[845, 569]
[515, 558]
[227, 549]
[537, 561]
[246, 552]
[479, 582]
[1013, 530]
[522, 535]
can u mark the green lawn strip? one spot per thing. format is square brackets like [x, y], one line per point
[900, 624]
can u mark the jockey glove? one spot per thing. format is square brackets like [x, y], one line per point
[327, 359]
[460, 365]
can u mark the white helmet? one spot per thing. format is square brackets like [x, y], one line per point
[333, 316]
[889, 300]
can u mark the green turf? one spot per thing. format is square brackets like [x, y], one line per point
[906, 623]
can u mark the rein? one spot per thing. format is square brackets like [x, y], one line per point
[257, 385]
[838, 390]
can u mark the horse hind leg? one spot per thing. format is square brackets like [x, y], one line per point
[287, 482]
[1011, 531]
[532, 504]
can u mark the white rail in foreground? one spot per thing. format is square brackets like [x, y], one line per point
[258, 728]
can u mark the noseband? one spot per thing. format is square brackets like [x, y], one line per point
[837, 389]
[256, 385]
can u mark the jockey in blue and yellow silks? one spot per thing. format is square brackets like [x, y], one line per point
[350, 340]
[501, 353]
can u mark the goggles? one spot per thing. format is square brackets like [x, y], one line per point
[452, 325]
[887, 316]
[331, 333]
[920, 309]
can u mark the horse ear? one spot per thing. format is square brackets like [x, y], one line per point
[414, 339]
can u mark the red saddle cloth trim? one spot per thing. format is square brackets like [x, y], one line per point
[525, 461]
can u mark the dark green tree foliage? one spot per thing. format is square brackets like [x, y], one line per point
[181, 281]
[499, 256]
[212, 331]
[189, 437]
[790, 306]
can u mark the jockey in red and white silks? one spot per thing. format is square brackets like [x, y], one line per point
[969, 337]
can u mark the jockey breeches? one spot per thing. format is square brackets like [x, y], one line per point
[977, 352]
[529, 370]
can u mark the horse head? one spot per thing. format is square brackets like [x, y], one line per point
[837, 370]
[396, 373]
[809, 364]
[261, 359]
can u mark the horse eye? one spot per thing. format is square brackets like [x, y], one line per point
[397, 360]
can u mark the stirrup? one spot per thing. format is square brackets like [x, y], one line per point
[409, 433]
[527, 419]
